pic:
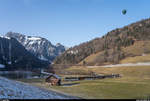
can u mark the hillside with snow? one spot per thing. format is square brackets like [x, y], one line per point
[13, 55]
[40, 47]
[10, 89]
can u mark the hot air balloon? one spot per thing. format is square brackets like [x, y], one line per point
[124, 11]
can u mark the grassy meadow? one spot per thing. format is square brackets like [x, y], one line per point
[134, 83]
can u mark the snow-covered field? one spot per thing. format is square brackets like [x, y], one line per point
[10, 89]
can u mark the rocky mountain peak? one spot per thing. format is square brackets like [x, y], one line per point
[40, 47]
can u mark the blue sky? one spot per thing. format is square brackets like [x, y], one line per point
[69, 22]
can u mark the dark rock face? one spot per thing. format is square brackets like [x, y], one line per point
[14, 56]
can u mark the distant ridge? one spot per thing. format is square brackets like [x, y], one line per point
[38, 46]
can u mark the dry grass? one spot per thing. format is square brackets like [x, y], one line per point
[134, 83]
[133, 71]
[136, 59]
[78, 69]
[92, 58]
[137, 49]
[136, 71]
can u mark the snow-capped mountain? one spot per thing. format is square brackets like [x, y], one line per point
[40, 47]
[13, 55]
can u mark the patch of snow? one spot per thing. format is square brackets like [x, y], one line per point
[73, 52]
[31, 42]
[35, 77]
[51, 49]
[39, 42]
[43, 58]
[5, 37]
[2, 66]
[9, 62]
[34, 38]
[10, 89]
[25, 41]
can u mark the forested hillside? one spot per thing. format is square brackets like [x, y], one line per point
[110, 46]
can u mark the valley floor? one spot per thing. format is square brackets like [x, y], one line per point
[134, 83]
[10, 89]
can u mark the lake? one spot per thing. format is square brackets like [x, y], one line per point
[19, 74]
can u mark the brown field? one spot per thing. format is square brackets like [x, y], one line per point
[134, 83]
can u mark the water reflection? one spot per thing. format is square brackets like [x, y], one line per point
[19, 74]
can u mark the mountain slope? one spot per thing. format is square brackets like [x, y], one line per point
[40, 47]
[109, 46]
[14, 56]
[139, 48]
